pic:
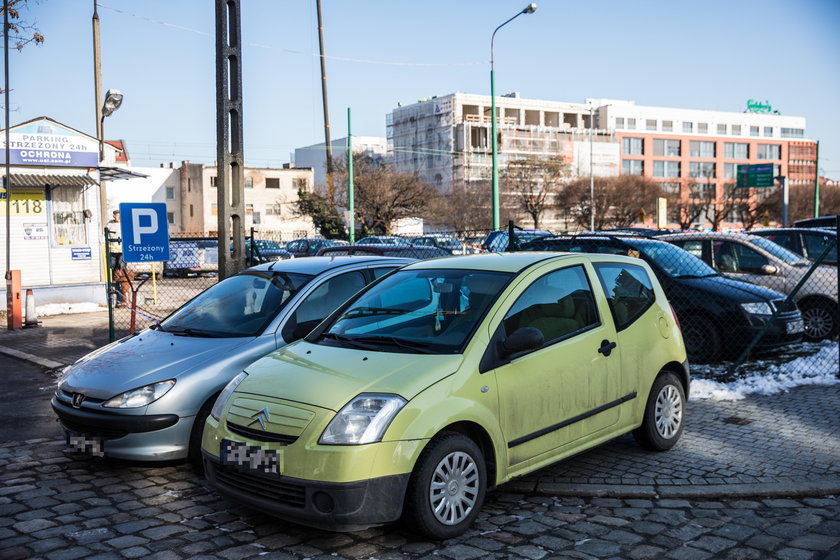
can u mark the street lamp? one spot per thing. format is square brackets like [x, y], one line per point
[113, 100]
[529, 9]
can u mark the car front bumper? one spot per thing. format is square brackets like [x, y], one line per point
[333, 506]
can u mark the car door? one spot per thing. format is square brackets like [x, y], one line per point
[549, 397]
[739, 261]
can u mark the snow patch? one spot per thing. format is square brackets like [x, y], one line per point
[66, 308]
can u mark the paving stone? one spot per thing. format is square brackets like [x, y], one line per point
[815, 542]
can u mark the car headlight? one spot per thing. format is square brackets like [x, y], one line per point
[141, 396]
[224, 396]
[757, 308]
[362, 420]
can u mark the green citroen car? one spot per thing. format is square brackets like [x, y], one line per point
[445, 378]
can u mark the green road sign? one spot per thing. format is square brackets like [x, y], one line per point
[760, 175]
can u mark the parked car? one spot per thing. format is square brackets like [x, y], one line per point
[760, 261]
[497, 241]
[719, 315]
[383, 240]
[309, 247]
[444, 379]
[145, 397]
[819, 222]
[262, 251]
[410, 251]
[448, 243]
[807, 242]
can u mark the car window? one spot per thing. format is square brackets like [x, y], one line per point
[693, 246]
[733, 257]
[815, 244]
[430, 311]
[381, 271]
[785, 239]
[629, 291]
[241, 305]
[789, 257]
[558, 304]
[296, 245]
[325, 299]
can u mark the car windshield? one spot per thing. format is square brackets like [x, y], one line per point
[788, 257]
[675, 262]
[418, 311]
[241, 305]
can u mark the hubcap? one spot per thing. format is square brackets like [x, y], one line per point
[668, 413]
[818, 322]
[454, 488]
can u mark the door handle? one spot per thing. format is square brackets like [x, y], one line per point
[606, 347]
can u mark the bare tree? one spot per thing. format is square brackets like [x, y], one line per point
[618, 200]
[533, 183]
[685, 212]
[465, 209]
[21, 32]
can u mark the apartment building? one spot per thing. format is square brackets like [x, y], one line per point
[315, 156]
[446, 139]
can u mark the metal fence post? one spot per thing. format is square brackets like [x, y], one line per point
[109, 286]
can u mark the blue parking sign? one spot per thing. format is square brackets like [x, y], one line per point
[145, 231]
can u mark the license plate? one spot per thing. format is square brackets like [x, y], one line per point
[249, 457]
[795, 327]
[85, 444]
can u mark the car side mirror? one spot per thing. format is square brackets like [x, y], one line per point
[520, 340]
[769, 269]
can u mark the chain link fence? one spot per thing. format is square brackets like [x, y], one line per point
[744, 303]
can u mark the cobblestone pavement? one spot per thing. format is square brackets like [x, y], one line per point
[58, 505]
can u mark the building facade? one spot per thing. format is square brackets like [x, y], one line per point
[315, 156]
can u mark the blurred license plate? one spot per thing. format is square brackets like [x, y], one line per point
[85, 444]
[249, 457]
[795, 327]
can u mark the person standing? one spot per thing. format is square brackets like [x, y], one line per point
[120, 275]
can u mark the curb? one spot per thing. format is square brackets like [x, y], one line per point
[814, 488]
[43, 362]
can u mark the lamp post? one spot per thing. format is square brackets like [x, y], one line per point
[529, 9]
[591, 171]
[113, 100]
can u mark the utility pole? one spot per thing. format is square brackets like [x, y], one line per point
[817, 182]
[97, 99]
[351, 200]
[327, 143]
[230, 157]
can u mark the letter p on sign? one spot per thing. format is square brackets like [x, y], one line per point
[140, 230]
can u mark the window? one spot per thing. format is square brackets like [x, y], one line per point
[68, 215]
[815, 244]
[272, 183]
[631, 124]
[688, 127]
[213, 181]
[170, 217]
[736, 150]
[629, 291]
[793, 133]
[619, 122]
[273, 210]
[321, 302]
[730, 170]
[753, 131]
[663, 147]
[249, 209]
[705, 191]
[633, 146]
[214, 209]
[768, 131]
[736, 129]
[769, 151]
[170, 193]
[721, 129]
[249, 182]
[670, 187]
[632, 166]
[702, 169]
[667, 126]
[670, 169]
[734, 257]
[650, 124]
[702, 149]
[703, 128]
[558, 305]
[300, 183]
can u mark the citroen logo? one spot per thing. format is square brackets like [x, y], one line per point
[262, 417]
[77, 400]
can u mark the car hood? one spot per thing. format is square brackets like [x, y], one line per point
[730, 288]
[328, 377]
[148, 357]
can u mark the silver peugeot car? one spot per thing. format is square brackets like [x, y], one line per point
[146, 397]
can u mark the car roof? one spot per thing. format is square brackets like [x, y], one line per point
[708, 235]
[793, 229]
[317, 265]
[502, 262]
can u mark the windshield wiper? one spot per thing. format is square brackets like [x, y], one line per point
[350, 341]
[415, 345]
[369, 311]
[187, 331]
[157, 327]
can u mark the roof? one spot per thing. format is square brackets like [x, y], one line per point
[503, 262]
[39, 180]
[317, 265]
[122, 154]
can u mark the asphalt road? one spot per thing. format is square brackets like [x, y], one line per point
[25, 412]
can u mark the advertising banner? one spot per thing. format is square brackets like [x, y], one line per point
[47, 143]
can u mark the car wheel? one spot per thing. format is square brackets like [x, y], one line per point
[447, 487]
[702, 339]
[664, 417]
[194, 451]
[820, 319]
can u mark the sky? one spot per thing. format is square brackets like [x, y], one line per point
[160, 54]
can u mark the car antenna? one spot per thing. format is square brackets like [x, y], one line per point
[271, 266]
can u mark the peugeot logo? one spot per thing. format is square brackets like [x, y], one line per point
[77, 400]
[262, 417]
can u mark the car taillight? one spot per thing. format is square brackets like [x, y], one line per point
[676, 319]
